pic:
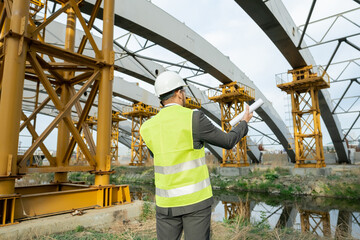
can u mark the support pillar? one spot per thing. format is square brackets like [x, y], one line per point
[11, 98]
[12, 84]
[105, 99]
[63, 131]
[4, 30]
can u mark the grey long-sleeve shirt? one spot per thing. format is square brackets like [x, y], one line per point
[205, 131]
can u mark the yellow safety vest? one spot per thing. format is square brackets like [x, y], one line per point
[181, 174]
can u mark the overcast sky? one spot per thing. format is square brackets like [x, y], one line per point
[226, 26]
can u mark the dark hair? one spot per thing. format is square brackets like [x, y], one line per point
[168, 95]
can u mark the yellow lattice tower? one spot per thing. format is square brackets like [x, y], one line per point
[139, 113]
[192, 103]
[304, 88]
[116, 119]
[315, 221]
[231, 99]
[80, 157]
[38, 15]
[36, 6]
[91, 121]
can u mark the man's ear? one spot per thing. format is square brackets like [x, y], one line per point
[178, 93]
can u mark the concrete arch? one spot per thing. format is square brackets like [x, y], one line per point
[133, 93]
[274, 19]
[147, 20]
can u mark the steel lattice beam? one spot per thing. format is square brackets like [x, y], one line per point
[273, 18]
[147, 20]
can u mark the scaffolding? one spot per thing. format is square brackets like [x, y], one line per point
[192, 103]
[139, 113]
[304, 87]
[315, 222]
[231, 98]
[35, 7]
[115, 126]
[239, 210]
[90, 121]
[65, 74]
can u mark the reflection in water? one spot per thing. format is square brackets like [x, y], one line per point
[287, 217]
[314, 215]
[344, 224]
[315, 222]
[321, 216]
[143, 192]
[241, 209]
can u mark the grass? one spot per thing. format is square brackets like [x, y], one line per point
[233, 229]
[271, 176]
[240, 228]
[142, 229]
[280, 181]
[148, 211]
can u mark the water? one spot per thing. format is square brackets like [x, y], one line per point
[321, 216]
[318, 215]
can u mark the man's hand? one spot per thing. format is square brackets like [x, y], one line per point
[247, 115]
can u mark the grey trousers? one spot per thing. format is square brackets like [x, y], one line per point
[196, 225]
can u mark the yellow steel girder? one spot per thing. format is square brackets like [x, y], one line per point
[50, 199]
[231, 98]
[192, 103]
[303, 88]
[139, 113]
[315, 222]
[27, 57]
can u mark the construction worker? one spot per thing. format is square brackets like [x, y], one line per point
[176, 138]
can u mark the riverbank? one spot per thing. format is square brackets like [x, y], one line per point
[144, 228]
[220, 231]
[278, 180]
[265, 179]
[285, 190]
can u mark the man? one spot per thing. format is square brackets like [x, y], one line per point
[176, 138]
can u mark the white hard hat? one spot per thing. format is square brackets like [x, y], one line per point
[168, 81]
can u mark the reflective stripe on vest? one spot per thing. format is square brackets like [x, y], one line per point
[176, 192]
[180, 167]
[181, 174]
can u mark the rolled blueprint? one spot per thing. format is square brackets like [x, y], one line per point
[252, 108]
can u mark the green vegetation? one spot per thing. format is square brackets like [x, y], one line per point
[274, 181]
[148, 211]
[85, 177]
[280, 181]
[79, 228]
